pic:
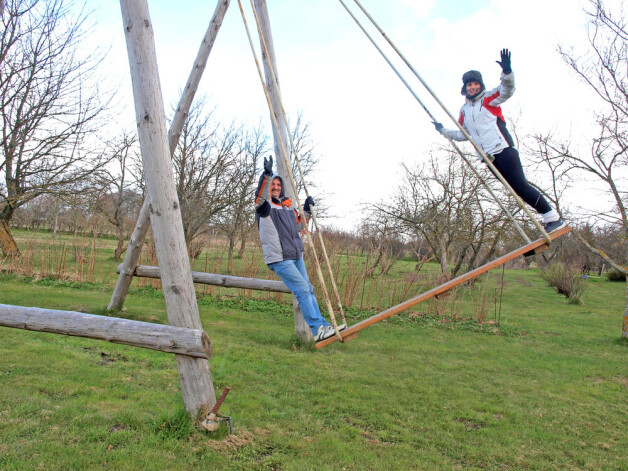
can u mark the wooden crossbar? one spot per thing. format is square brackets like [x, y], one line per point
[439, 290]
[145, 271]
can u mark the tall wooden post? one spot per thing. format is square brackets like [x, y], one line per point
[134, 249]
[165, 214]
[301, 328]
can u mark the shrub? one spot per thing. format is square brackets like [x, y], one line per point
[566, 281]
[615, 275]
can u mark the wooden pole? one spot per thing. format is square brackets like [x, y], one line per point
[439, 290]
[165, 338]
[227, 281]
[280, 133]
[131, 257]
[185, 102]
[165, 214]
[307, 193]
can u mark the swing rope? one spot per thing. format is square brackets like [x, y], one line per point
[460, 127]
[286, 160]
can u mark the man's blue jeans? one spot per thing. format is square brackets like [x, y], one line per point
[294, 275]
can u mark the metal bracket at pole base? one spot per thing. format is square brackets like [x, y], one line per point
[212, 422]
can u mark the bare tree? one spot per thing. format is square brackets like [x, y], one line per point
[48, 105]
[604, 69]
[444, 204]
[202, 162]
[236, 222]
[303, 147]
[116, 197]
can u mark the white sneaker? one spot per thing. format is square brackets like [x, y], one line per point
[342, 327]
[554, 226]
[324, 332]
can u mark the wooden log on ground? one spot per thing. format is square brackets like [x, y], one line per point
[164, 338]
[227, 281]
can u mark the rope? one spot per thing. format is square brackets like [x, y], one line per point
[284, 154]
[460, 127]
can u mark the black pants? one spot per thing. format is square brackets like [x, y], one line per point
[509, 165]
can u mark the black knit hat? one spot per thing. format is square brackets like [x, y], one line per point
[471, 76]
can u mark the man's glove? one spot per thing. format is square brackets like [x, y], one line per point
[439, 127]
[309, 201]
[268, 165]
[505, 62]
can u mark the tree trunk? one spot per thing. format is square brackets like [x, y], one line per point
[230, 255]
[242, 247]
[624, 330]
[7, 242]
[120, 247]
[55, 227]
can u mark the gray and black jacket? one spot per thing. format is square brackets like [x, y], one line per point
[278, 223]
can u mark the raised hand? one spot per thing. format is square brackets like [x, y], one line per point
[504, 63]
[268, 165]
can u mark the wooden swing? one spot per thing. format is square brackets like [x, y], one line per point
[351, 332]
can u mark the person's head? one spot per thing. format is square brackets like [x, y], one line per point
[472, 83]
[275, 187]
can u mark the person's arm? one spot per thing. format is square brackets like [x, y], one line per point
[262, 194]
[507, 87]
[307, 209]
[453, 134]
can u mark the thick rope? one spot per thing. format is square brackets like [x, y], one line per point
[284, 154]
[460, 127]
[298, 162]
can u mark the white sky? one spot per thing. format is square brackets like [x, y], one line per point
[363, 119]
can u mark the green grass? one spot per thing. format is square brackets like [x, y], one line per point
[547, 388]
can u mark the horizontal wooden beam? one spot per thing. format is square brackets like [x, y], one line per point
[439, 290]
[165, 338]
[227, 281]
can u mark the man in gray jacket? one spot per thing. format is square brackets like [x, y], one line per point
[279, 224]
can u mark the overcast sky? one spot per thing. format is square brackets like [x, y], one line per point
[364, 121]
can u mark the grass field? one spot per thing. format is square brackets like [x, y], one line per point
[547, 388]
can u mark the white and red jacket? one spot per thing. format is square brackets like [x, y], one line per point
[483, 119]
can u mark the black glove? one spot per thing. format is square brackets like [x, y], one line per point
[439, 127]
[505, 62]
[268, 165]
[309, 201]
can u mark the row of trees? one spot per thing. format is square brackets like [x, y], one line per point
[56, 165]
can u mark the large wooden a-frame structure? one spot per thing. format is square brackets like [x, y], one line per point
[185, 336]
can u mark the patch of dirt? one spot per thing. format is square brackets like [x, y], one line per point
[117, 428]
[469, 424]
[232, 442]
[364, 433]
[524, 282]
[107, 358]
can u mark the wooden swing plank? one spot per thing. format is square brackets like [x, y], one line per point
[439, 290]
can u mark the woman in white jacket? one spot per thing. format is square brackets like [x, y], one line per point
[481, 116]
